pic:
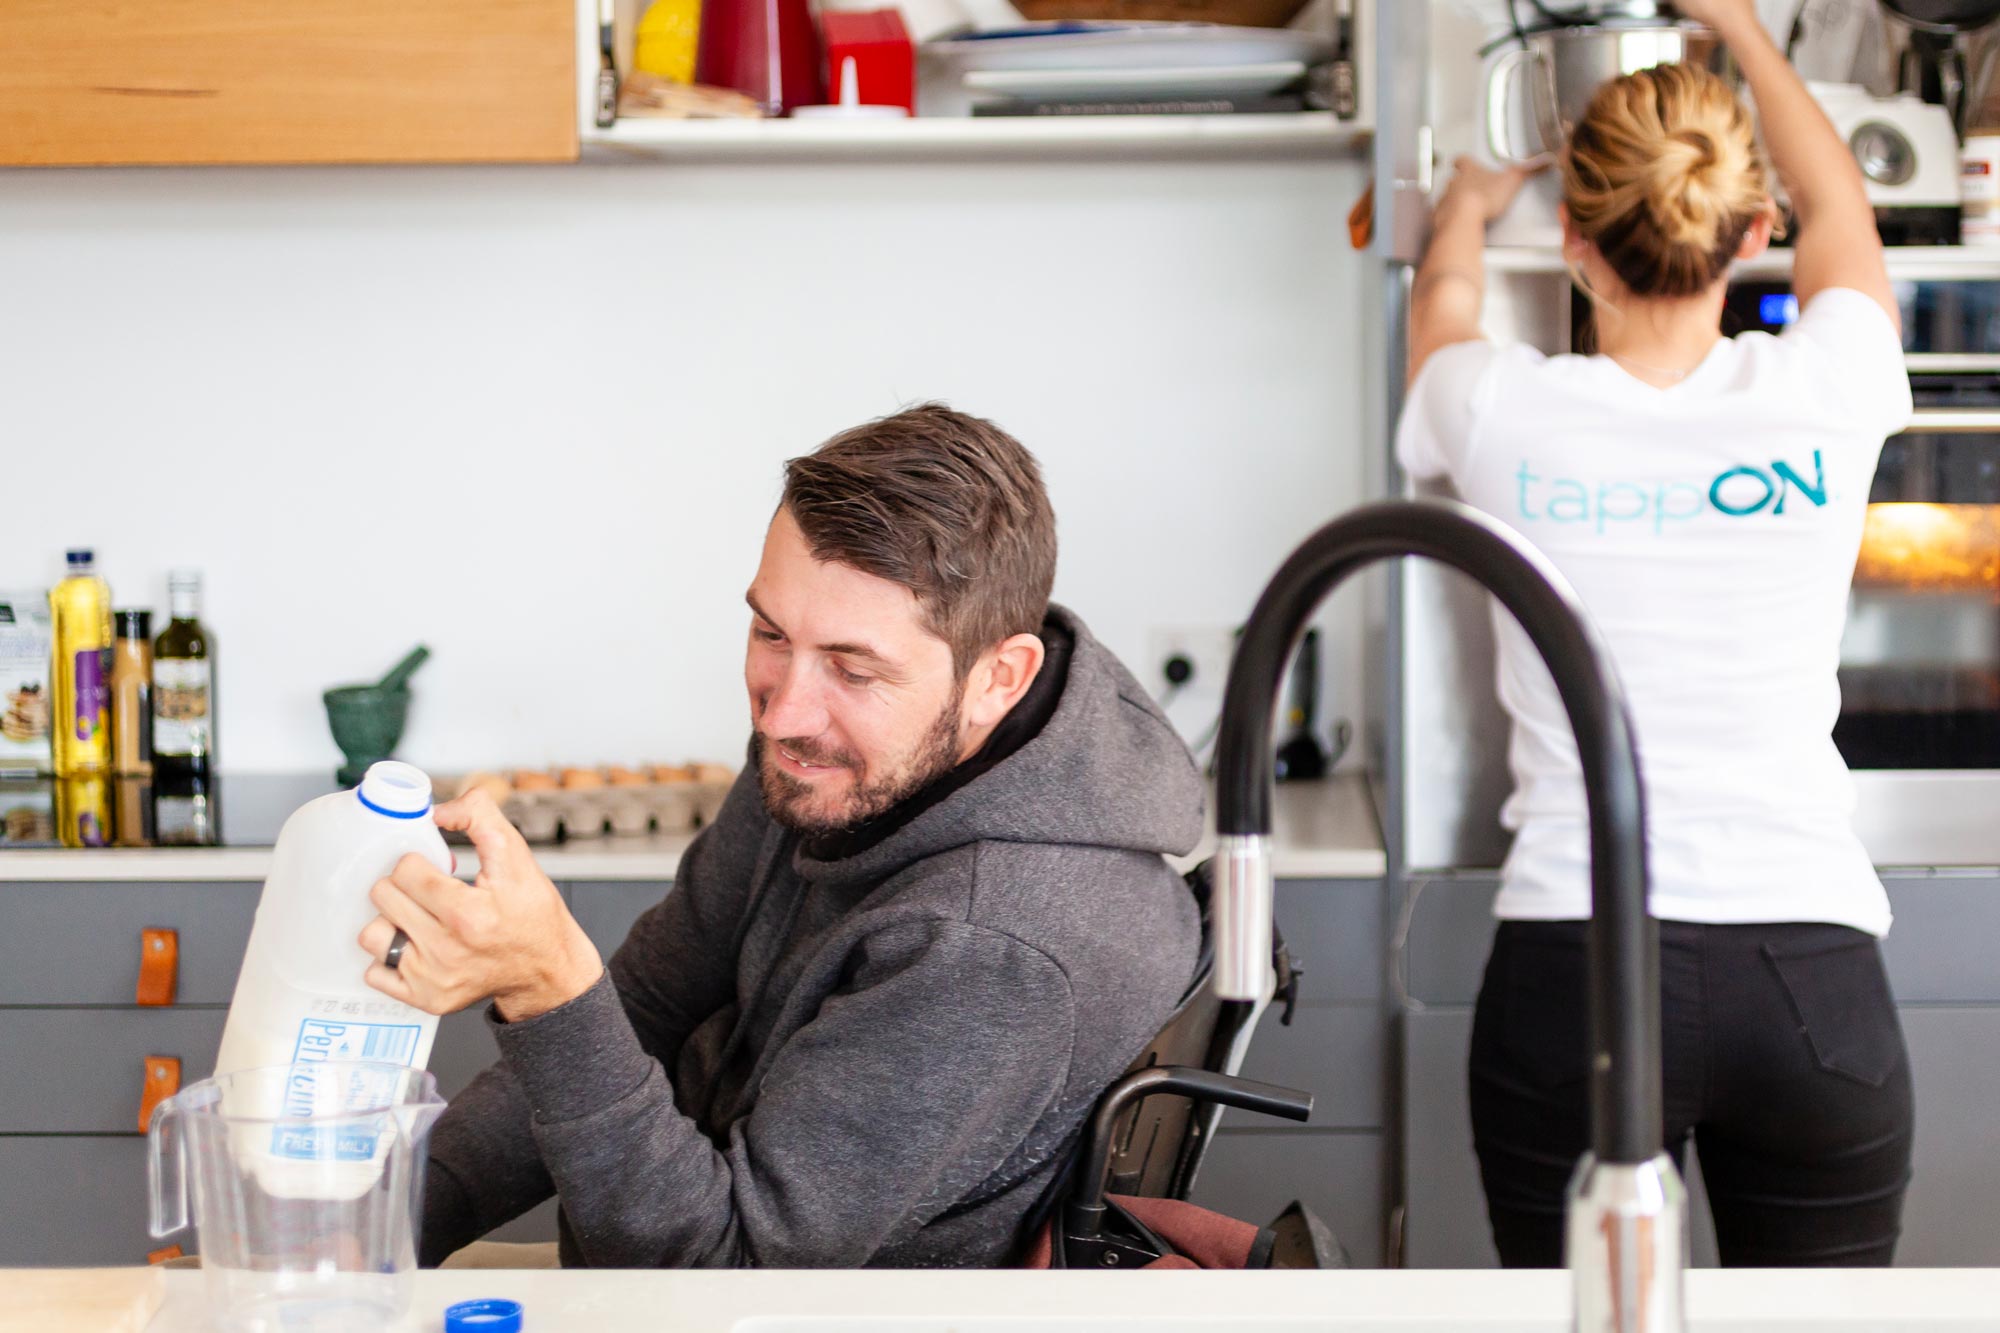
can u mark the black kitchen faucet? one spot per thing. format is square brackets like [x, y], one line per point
[1627, 1228]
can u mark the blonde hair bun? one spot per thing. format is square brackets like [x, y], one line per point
[1663, 175]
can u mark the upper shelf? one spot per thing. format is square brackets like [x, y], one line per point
[1911, 263]
[1302, 134]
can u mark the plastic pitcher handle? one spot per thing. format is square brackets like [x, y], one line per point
[166, 1169]
[1499, 88]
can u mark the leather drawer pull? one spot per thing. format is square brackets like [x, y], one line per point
[163, 1254]
[163, 1080]
[159, 966]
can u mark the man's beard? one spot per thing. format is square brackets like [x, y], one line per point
[790, 799]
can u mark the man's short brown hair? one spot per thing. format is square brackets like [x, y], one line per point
[947, 505]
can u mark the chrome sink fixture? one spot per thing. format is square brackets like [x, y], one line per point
[1627, 1227]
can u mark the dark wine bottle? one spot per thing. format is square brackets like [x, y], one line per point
[184, 686]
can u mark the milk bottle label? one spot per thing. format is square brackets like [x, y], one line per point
[326, 1039]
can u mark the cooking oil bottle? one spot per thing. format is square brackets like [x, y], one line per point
[80, 624]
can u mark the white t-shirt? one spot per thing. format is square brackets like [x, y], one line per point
[1711, 529]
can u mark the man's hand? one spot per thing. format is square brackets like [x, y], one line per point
[506, 935]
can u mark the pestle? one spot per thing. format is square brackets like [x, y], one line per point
[367, 720]
[399, 674]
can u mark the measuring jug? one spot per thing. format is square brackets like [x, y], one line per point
[306, 1182]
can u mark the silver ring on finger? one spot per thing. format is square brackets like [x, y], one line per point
[392, 957]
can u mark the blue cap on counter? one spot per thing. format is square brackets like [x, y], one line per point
[488, 1316]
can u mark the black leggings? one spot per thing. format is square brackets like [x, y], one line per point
[1784, 1062]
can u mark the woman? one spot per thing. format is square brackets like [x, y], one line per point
[1705, 496]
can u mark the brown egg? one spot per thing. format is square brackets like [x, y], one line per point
[671, 773]
[533, 779]
[581, 779]
[625, 777]
[492, 784]
[714, 773]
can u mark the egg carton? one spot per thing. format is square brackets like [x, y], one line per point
[573, 804]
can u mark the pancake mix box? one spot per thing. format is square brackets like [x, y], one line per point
[24, 681]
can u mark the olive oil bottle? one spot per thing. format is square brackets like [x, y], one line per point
[80, 625]
[183, 686]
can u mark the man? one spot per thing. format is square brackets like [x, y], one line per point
[931, 924]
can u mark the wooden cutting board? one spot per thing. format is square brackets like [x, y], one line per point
[81, 1300]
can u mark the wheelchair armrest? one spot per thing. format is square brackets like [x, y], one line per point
[1083, 1214]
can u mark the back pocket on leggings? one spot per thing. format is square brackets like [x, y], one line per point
[1841, 999]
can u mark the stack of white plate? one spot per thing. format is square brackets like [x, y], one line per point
[1108, 62]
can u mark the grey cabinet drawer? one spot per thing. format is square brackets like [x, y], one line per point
[1940, 949]
[464, 1048]
[606, 909]
[1451, 932]
[1335, 927]
[1337, 1052]
[1445, 1207]
[1948, 1215]
[78, 943]
[83, 1071]
[1254, 1176]
[82, 1201]
[75, 1201]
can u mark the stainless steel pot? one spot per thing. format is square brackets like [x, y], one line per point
[1557, 71]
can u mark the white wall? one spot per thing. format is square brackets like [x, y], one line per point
[534, 417]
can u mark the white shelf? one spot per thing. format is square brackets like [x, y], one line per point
[1303, 135]
[1297, 134]
[1909, 263]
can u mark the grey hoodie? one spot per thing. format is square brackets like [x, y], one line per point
[882, 1059]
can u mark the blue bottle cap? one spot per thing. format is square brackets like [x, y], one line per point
[80, 555]
[488, 1316]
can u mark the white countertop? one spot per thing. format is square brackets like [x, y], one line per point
[1323, 830]
[1719, 1301]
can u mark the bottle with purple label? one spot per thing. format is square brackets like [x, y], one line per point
[80, 625]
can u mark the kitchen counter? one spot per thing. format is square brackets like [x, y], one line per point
[1323, 830]
[1719, 1301]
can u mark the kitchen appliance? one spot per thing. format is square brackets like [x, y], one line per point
[1908, 153]
[305, 1182]
[1545, 76]
[1930, 41]
[1300, 757]
[1627, 1216]
[1920, 663]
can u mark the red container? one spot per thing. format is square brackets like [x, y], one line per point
[766, 49]
[884, 61]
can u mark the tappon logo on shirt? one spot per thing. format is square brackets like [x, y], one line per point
[1742, 491]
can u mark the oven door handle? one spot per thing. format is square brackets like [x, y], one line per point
[1952, 421]
[1951, 363]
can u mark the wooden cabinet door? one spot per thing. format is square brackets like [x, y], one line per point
[104, 82]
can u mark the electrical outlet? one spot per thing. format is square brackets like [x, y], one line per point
[1206, 649]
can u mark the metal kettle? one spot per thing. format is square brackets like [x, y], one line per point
[1547, 79]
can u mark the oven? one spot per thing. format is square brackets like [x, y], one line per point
[1920, 663]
